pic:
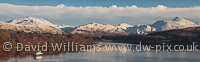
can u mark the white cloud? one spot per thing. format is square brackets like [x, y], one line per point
[114, 14]
[60, 5]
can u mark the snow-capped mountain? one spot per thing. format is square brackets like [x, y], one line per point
[64, 26]
[31, 24]
[161, 25]
[124, 26]
[140, 29]
[40, 25]
[176, 23]
[33, 21]
[96, 29]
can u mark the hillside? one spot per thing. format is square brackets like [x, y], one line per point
[30, 25]
[35, 38]
[162, 25]
[96, 29]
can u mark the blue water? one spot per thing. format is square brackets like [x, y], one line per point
[114, 56]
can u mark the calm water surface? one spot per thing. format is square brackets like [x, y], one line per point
[105, 56]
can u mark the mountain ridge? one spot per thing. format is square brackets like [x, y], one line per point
[97, 29]
[32, 24]
[40, 25]
[162, 25]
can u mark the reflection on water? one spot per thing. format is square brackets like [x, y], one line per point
[102, 56]
[38, 57]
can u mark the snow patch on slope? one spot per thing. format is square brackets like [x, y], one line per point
[161, 25]
[124, 26]
[176, 23]
[140, 29]
[32, 24]
[97, 29]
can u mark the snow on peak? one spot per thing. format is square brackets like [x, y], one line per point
[64, 26]
[124, 26]
[97, 29]
[31, 21]
[33, 24]
[140, 29]
[176, 23]
[178, 19]
[160, 25]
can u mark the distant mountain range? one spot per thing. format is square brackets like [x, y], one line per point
[98, 29]
[162, 25]
[40, 25]
[31, 24]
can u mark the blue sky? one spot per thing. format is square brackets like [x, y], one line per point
[106, 3]
[108, 11]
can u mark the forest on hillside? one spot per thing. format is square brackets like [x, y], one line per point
[35, 38]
